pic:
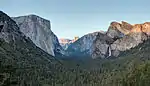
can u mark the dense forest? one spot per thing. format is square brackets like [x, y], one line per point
[131, 68]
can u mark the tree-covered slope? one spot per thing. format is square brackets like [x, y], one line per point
[25, 65]
[22, 63]
[114, 71]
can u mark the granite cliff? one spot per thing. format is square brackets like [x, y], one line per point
[83, 46]
[118, 38]
[22, 63]
[125, 36]
[39, 31]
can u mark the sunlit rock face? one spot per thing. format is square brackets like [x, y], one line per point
[126, 27]
[119, 37]
[39, 31]
[138, 33]
[125, 36]
[65, 43]
[118, 30]
[145, 28]
[114, 31]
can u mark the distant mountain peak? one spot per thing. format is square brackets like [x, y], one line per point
[66, 42]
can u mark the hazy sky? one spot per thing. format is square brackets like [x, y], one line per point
[71, 18]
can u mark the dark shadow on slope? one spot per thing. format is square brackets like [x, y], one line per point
[1, 28]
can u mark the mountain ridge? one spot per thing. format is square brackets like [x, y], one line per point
[39, 31]
[124, 36]
[22, 63]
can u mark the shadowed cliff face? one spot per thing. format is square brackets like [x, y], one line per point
[39, 31]
[9, 31]
[127, 42]
[1, 28]
[101, 46]
[83, 46]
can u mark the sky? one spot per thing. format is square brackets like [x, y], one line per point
[70, 18]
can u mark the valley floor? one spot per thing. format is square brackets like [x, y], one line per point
[131, 68]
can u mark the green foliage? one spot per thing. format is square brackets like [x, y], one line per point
[25, 65]
[140, 76]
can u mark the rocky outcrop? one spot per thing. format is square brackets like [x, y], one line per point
[83, 46]
[138, 28]
[127, 42]
[138, 34]
[39, 31]
[126, 27]
[113, 31]
[9, 31]
[118, 30]
[21, 61]
[125, 36]
[91, 45]
[65, 43]
[101, 46]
